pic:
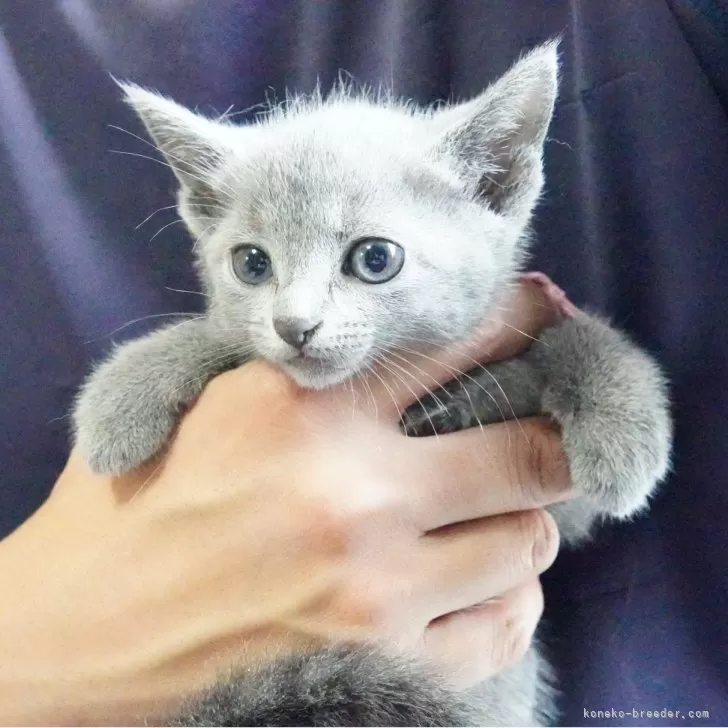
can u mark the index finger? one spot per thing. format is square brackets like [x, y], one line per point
[503, 468]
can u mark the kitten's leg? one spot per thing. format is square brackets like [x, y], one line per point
[608, 396]
[128, 406]
[497, 392]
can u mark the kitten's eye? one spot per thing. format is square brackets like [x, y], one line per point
[374, 260]
[251, 265]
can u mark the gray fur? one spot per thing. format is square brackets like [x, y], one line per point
[353, 686]
[340, 686]
[455, 187]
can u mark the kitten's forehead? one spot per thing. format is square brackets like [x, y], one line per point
[336, 172]
[299, 185]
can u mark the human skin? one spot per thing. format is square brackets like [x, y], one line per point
[278, 520]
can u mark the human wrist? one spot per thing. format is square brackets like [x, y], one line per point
[54, 670]
[30, 674]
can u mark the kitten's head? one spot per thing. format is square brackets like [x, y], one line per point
[337, 231]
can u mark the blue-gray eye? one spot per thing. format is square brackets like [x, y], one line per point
[374, 260]
[251, 265]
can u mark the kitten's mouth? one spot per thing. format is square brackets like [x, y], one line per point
[315, 363]
[317, 372]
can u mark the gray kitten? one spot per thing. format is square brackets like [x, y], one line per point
[336, 230]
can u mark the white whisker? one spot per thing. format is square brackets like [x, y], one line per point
[437, 384]
[192, 316]
[199, 171]
[372, 370]
[183, 290]
[382, 359]
[149, 217]
[458, 373]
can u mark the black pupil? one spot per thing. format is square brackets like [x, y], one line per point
[376, 258]
[256, 263]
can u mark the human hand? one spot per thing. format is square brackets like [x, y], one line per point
[281, 519]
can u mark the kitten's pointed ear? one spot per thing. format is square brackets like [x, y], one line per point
[193, 146]
[496, 140]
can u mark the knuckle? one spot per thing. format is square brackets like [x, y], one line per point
[220, 386]
[540, 537]
[349, 522]
[366, 504]
[272, 388]
[519, 617]
[374, 613]
[365, 611]
[326, 529]
[275, 385]
[517, 638]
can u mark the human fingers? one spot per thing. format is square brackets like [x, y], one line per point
[503, 468]
[470, 562]
[474, 644]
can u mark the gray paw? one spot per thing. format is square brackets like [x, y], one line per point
[436, 415]
[129, 406]
[501, 391]
[610, 399]
[119, 427]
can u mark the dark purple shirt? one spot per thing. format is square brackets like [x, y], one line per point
[634, 223]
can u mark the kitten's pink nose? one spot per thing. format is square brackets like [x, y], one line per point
[295, 331]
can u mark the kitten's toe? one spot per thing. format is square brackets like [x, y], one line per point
[128, 407]
[616, 474]
[428, 417]
[115, 451]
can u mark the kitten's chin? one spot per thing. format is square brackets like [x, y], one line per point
[315, 373]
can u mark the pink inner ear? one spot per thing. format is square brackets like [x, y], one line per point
[555, 295]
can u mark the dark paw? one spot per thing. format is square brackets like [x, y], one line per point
[430, 416]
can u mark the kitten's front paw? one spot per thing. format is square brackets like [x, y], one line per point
[610, 399]
[433, 415]
[129, 406]
[118, 430]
